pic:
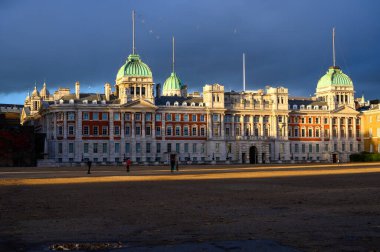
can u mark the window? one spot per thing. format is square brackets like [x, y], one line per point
[117, 147]
[177, 147]
[335, 147]
[317, 133]
[325, 120]
[303, 132]
[310, 120]
[303, 119]
[137, 117]
[186, 130]
[104, 147]
[227, 131]
[138, 147]
[147, 148]
[60, 130]
[303, 148]
[71, 129]
[186, 147]
[296, 149]
[71, 116]
[138, 131]
[317, 148]
[158, 147]
[168, 117]
[317, 120]
[85, 147]
[310, 148]
[326, 147]
[105, 130]
[158, 117]
[85, 116]
[60, 148]
[158, 131]
[117, 130]
[177, 130]
[215, 117]
[203, 132]
[194, 118]
[194, 147]
[343, 147]
[296, 132]
[148, 130]
[351, 147]
[194, 131]
[95, 130]
[95, 116]
[203, 148]
[177, 117]
[95, 148]
[71, 147]
[217, 147]
[169, 131]
[202, 118]
[104, 116]
[127, 147]
[186, 117]
[127, 130]
[116, 116]
[148, 117]
[310, 133]
[169, 147]
[127, 117]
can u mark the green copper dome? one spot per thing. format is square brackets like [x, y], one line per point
[334, 77]
[172, 83]
[134, 67]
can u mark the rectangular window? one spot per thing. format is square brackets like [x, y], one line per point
[127, 117]
[95, 116]
[185, 130]
[296, 150]
[158, 131]
[138, 131]
[169, 147]
[117, 130]
[359, 148]
[169, 131]
[194, 118]
[138, 147]
[217, 147]
[71, 147]
[326, 147]
[105, 130]
[310, 133]
[317, 120]
[177, 117]
[104, 147]
[203, 148]
[60, 130]
[194, 147]
[317, 148]
[177, 130]
[60, 148]
[71, 129]
[186, 117]
[343, 147]
[158, 147]
[177, 147]
[127, 147]
[137, 117]
[95, 148]
[351, 147]
[296, 132]
[303, 132]
[117, 147]
[194, 131]
[303, 148]
[127, 130]
[147, 147]
[85, 116]
[335, 147]
[147, 131]
[158, 117]
[104, 116]
[203, 132]
[186, 147]
[116, 116]
[85, 147]
[95, 130]
[71, 116]
[215, 117]
[168, 117]
[310, 148]
[202, 118]
[310, 120]
[227, 131]
[148, 117]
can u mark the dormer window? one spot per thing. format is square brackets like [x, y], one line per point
[201, 104]
[85, 101]
[302, 107]
[184, 104]
[94, 102]
[295, 106]
[308, 107]
[167, 103]
[71, 101]
[176, 103]
[192, 104]
[103, 101]
[61, 101]
[316, 107]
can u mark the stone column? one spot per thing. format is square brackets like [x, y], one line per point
[261, 123]
[143, 114]
[64, 125]
[55, 126]
[209, 126]
[78, 137]
[222, 126]
[252, 128]
[233, 126]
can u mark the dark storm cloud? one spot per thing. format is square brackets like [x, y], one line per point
[286, 43]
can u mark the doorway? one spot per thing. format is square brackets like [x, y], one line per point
[334, 158]
[253, 155]
[243, 158]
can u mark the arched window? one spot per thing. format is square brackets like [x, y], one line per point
[167, 103]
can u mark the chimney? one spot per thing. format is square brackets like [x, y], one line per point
[77, 90]
[107, 91]
[158, 90]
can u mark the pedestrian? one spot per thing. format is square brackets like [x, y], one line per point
[89, 166]
[128, 164]
[172, 163]
[176, 164]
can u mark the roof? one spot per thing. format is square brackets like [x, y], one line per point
[172, 83]
[134, 67]
[163, 99]
[334, 77]
[306, 102]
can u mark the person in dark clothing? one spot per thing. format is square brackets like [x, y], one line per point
[172, 163]
[89, 166]
[128, 164]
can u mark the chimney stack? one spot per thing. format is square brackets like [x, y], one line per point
[158, 90]
[77, 90]
[107, 91]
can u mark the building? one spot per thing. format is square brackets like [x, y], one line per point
[371, 128]
[258, 126]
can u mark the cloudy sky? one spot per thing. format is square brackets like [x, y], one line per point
[287, 43]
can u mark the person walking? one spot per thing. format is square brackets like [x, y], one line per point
[128, 164]
[172, 163]
[89, 166]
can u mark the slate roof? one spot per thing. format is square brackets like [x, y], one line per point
[163, 99]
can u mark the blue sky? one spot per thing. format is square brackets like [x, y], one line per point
[287, 43]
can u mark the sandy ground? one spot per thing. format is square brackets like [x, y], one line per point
[309, 208]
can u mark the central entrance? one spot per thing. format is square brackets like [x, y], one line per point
[253, 155]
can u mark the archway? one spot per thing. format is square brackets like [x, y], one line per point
[253, 155]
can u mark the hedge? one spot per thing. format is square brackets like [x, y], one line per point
[365, 157]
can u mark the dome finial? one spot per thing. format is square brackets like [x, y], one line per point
[333, 41]
[173, 53]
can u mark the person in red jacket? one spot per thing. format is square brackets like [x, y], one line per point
[128, 164]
